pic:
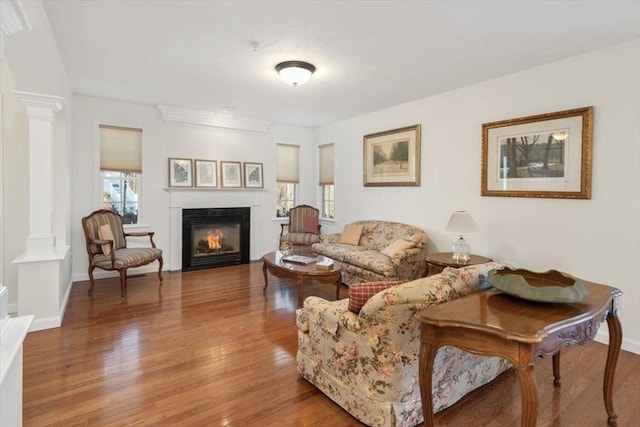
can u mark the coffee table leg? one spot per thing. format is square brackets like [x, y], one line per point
[300, 282]
[264, 272]
[338, 283]
[615, 340]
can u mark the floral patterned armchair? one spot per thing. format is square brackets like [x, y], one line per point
[368, 362]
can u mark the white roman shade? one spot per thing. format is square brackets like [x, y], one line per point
[326, 164]
[288, 163]
[120, 149]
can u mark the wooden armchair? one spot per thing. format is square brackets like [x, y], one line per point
[107, 247]
[303, 228]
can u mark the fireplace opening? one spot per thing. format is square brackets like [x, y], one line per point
[214, 237]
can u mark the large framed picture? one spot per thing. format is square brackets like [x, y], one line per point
[547, 155]
[180, 172]
[392, 158]
[253, 175]
[230, 175]
[206, 173]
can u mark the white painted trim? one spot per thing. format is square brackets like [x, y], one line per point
[103, 274]
[632, 346]
[13, 18]
[214, 119]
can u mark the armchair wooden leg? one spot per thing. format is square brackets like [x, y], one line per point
[92, 283]
[123, 283]
[160, 269]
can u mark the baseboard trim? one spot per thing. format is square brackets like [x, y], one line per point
[630, 345]
[102, 274]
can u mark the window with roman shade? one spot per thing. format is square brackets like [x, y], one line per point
[325, 179]
[121, 170]
[287, 177]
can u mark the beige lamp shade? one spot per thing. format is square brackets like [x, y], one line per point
[461, 222]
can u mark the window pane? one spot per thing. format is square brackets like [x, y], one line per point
[120, 194]
[328, 201]
[285, 198]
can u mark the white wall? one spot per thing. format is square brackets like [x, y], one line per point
[162, 141]
[31, 63]
[596, 239]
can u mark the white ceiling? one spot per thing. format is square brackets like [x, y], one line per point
[369, 54]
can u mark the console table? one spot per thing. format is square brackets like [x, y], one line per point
[493, 323]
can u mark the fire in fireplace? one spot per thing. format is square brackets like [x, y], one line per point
[213, 237]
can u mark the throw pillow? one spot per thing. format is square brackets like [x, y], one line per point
[351, 234]
[397, 246]
[105, 233]
[360, 293]
[310, 224]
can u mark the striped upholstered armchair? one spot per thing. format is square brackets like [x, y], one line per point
[107, 247]
[303, 228]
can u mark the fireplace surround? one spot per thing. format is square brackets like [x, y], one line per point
[215, 237]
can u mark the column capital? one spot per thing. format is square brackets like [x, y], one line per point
[40, 106]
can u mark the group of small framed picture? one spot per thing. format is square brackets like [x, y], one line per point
[204, 174]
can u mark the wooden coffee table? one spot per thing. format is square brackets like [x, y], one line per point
[273, 263]
[493, 323]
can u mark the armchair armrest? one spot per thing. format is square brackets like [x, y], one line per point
[141, 234]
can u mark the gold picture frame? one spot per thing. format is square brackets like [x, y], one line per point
[206, 173]
[552, 154]
[180, 172]
[392, 158]
[230, 174]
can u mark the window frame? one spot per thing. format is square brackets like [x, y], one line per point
[98, 174]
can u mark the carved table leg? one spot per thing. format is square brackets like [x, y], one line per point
[615, 340]
[529, 395]
[556, 369]
[264, 272]
[427, 356]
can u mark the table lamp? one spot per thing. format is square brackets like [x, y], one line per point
[461, 223]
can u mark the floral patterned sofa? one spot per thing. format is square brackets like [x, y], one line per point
[368, 362]
[365, 262]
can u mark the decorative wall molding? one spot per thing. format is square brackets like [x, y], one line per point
[13, 18]
[214, 119]
[40, 106]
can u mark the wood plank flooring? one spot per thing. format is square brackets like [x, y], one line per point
[207, 348]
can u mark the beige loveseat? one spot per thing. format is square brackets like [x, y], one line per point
[365, 261]
[368, 362]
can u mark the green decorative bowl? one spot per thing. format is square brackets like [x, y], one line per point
[551, 286]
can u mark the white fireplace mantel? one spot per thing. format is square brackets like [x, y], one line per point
[199, 199]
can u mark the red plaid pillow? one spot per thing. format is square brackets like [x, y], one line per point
[360, 293]
[310, 224]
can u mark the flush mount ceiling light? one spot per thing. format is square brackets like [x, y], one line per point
[295, 72]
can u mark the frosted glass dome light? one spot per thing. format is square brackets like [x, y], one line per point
[295, 72]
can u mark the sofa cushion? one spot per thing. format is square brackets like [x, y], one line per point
[372, 261]
[397, 246]
[360, 293]
[351, 234]
[336, 251]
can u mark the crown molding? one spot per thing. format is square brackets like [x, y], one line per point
[214, 119]
[13, 18]
[40, 106]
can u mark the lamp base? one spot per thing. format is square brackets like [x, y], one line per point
[461, 251]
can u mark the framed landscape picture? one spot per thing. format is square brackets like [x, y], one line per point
[206, 173]
[392, 158]
[547, 155]
[253, 175]
[230, 175]
[180, 172]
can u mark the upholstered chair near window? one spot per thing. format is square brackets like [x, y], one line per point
[303, 228]
[107, 247]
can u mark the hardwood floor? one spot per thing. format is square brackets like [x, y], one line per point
[207, 348]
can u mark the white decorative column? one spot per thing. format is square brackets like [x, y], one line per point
[41, 288]
[41, 110]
